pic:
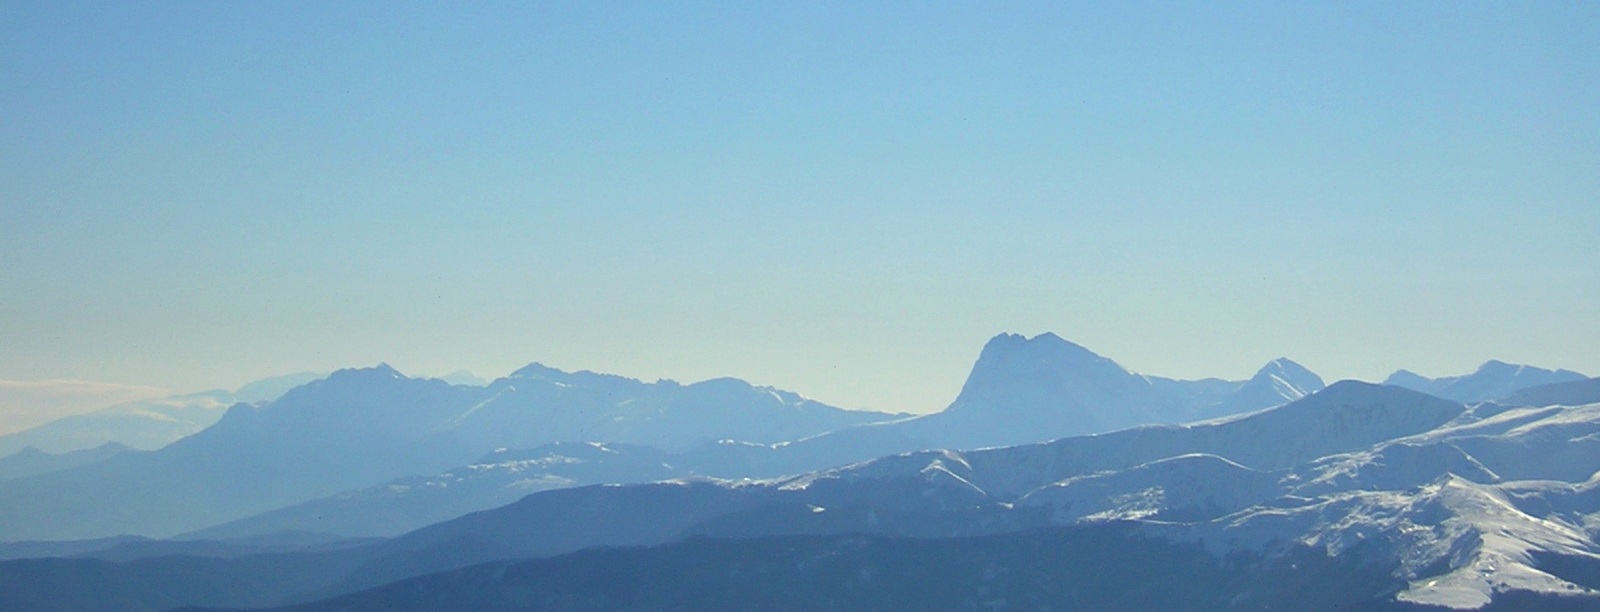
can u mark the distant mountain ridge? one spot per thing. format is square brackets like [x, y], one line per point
[362, 426]
[588, 406]
[1429, 501]
[31, 461]
[1491, 381]
[147, 424]
[1568, 393]
[356, 437]
[1444, 506]
[1021, 390]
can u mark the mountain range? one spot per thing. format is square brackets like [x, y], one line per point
[1052, 465]
[1020, 390]
[1491, 381]
[365, 426]
[1388, 497]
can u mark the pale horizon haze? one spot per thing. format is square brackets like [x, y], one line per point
[844, 200]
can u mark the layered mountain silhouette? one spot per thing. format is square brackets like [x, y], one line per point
[1491, 381]
[1032, 389]
[31, 461]
[1569, 393]
[1273, 492]
[364, 426]
[1020, 390]
[146, 424]
[1358, 495]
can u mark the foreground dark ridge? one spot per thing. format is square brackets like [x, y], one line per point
[1096, 567]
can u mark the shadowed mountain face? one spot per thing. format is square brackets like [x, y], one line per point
[1098, 567]
[359, 427]
[1491, 381]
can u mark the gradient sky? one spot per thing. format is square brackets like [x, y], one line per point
[842, 199]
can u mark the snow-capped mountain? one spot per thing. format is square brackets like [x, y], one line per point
[934, 493]
[1448, 506]
[1456, 507]
[1461, 513]
[1428, 500]
[1278, 382]
[1023, 387]
[1491, 381]
[1021, 390]
[1359, 495]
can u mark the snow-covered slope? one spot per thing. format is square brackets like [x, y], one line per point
[1460, 506]
[1021, 390]
[1392, 497]
[1186, 487]
[1456, 507]
[1278, 382]
[1353, 415]
[1460, 513]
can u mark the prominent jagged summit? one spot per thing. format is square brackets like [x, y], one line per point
[1281, 380]
[1043, 359]
[1052, 383]
[1060, 386]
[1024, 390]
[1293, 379]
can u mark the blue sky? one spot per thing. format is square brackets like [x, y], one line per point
[843, 199]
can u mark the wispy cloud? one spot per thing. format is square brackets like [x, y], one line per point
[29, 403]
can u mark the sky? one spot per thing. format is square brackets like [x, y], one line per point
[842, 199]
